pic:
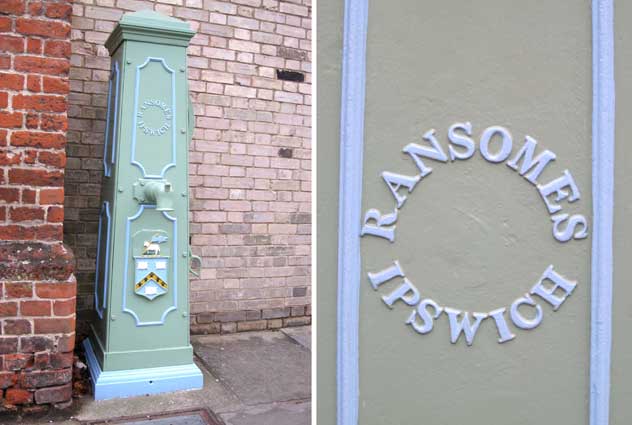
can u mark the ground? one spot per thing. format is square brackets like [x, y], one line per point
[251, 378]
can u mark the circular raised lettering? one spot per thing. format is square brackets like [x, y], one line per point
[551, 288]
[154, 117]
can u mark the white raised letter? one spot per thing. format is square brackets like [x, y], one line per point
[424, 315]
[557, 186]
[436, 153]
[519, 320]
[380, 220]
[569, 232]
[395, 181]
[379, 278]
[405, 292]
[460, 140]
[505, 149]
[548, 294]
[501, 324]
[456, 327]
[528, 163]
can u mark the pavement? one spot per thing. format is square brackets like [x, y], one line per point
[250, 378]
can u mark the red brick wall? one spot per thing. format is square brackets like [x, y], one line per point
[250, 167]
[37, 309]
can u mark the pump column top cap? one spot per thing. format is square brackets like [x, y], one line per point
[150, 27]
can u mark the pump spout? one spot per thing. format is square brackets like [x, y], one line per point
[159, 193]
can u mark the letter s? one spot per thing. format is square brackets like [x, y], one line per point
[425, 316]
[569, 232]
[460, 140]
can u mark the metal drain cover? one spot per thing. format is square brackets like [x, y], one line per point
[188, 417]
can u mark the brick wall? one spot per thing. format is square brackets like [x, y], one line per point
[37, 309]
[249, 161]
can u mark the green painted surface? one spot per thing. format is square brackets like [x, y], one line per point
[156, 114]
[621, 409]
[327, 159]
[472, 235]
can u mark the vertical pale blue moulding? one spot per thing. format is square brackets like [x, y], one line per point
[603, 209]
[350, 204]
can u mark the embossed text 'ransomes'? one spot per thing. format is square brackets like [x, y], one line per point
[551, 288]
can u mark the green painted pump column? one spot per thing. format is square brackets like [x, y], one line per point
[139, 339]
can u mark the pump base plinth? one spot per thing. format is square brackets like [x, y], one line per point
[137, 382]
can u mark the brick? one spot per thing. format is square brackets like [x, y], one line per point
[46, 378]
[53, 394]
[9, 43]
[49, 232]
[5, 24]
[66, 343]
[61, 360]
[7, 379]
[18, 290]
[254, 325]
[16, 327]
[8, 309]
[47, 326]
[58, 49]
[8, 345]
[43, 28]
[55, 290]
[12, 7]
[41, 103]
[11, 81]
[9, 194]
[32, 344]
[10, 158]
[55, 214]
[58, 10]
[16, 396]
[56, 85]
[275, 313]
[53, 122]
[35, 308]
[64, 308]
[34, 84]
[34, 46]
[55, 159]
[28, 196]
[42, 65]
[18, 361]
[38, 140]
[35, 8]
[15, 233]
[51, 196]
[35, 177]
[18, 214]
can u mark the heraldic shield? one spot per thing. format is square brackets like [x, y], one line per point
[151, 276]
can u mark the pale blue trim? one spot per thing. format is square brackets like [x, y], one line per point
[107, 167]
[136, 382]
[350, 204]
[174, 279]
[105, 207]
[116, 107]
[603, 203]
[173, 118]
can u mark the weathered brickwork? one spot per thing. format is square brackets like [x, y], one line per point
[249, 160]
[37, 307]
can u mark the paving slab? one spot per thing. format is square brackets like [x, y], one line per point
[298, 413]
[259, 367]
[301, 334]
